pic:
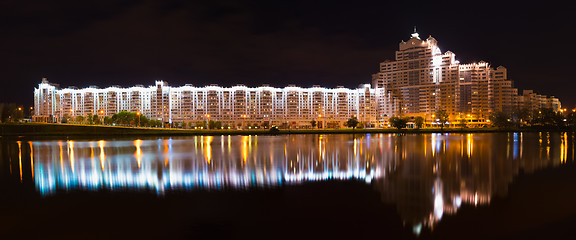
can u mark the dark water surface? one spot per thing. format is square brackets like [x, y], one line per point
[385, 186]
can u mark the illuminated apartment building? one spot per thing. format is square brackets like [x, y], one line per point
[422, 80]
[237, 106]
[533, 101]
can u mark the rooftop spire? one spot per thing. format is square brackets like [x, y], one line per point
[415, 34]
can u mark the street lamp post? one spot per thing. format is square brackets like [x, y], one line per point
[20, 114]
[138, 113]
[102, 117]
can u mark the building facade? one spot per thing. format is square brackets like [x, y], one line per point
[237, 106]
[423, 80]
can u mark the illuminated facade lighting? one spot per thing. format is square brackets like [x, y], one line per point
[423, 80]
[420, 81]
[234, 106]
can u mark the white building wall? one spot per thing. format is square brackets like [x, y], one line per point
[290, 106]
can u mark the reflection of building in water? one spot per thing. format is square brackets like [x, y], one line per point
[438, 173]
[209, 162]
[427, 176]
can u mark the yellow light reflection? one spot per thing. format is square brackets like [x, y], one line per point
[425, 147]
[540, 138]
[470, 144]
[285, 151]
[229, 144]
[138, 153]
[461, 146]
[20, 158]
[354, 147]
[319, 147]
[361, 145]
[101, 144]
[166, 152]
[31, 158]
[521, 144]
[209, 148]
[564, 148]
[433, 144]
[71, 150]
[250, 143]
[245, 140]
[222, 143]
[324, 149]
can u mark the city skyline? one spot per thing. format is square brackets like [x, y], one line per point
[420, 81]
[134, 42]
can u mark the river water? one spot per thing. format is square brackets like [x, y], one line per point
[414, 186]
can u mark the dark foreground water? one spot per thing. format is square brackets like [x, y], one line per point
[385, 186]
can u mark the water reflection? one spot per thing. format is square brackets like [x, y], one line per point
[426, 176]
[238, 164]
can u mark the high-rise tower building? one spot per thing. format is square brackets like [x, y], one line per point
[423, 80]
[419, 80]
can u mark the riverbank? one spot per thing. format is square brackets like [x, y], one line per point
[43, 129]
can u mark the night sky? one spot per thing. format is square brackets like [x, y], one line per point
[328, 43]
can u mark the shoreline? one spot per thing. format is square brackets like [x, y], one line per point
[65, 130]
